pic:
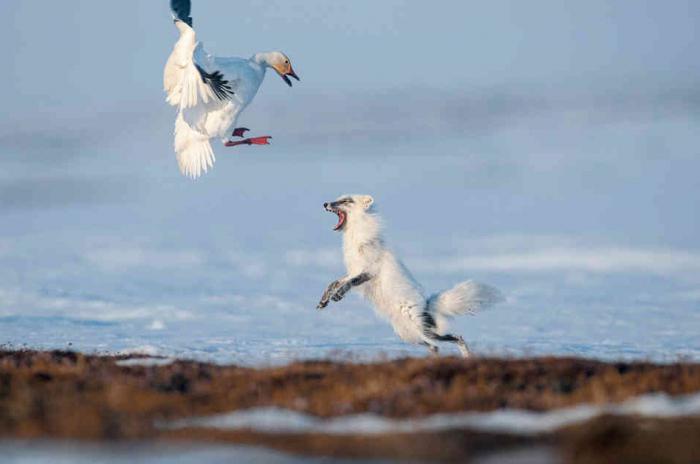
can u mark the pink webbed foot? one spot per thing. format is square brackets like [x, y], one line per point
[239, 131]
[264, 140]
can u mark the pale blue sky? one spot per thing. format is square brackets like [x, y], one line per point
[91, 54]
[608, 89]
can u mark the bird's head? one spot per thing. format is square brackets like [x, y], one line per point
[281, 63]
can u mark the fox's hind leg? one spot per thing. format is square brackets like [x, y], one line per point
[429, 327]
[463, 348]
[434, 351]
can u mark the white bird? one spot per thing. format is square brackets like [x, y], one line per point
[210, 92]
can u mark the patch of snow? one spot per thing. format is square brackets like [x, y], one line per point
[504, 420]
[328, 258]
[146, 350]
[156, 324]
[145, 361]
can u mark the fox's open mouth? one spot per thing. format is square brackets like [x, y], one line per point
[336, 207]
[341, 219]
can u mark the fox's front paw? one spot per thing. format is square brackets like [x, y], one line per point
[340, 292]
[326, 297]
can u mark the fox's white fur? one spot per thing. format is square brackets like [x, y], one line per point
[381, 278]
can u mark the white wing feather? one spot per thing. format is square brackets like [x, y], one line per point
[187, 90]
[181, 79]
[194, 153]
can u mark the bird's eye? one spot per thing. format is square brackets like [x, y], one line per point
[286, 61]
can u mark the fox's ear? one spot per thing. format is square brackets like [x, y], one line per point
[366, 201]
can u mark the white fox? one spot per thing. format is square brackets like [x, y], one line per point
[381, 278]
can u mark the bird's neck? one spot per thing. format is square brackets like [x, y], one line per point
[261, 59]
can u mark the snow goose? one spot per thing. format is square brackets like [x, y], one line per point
[210, 93]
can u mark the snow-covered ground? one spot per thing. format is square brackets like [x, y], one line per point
[515, 421]
[66, 452]
[584, 214]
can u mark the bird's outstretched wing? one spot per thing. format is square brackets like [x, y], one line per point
[181, 11]
[188, 78]
[216, 82]
[196, 88]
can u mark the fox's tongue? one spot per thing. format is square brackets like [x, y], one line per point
[341, 219]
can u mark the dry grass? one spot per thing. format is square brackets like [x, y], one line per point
[614, 440]
[70, 395]
[424, 447]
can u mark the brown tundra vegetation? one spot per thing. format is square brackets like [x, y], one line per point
[68, 395]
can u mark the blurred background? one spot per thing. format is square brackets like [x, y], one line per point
[549, 148]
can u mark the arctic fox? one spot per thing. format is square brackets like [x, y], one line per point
[381, 278]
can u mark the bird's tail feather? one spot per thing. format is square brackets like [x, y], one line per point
[194, 153]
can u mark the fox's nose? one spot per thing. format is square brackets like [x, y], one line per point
[325, 205]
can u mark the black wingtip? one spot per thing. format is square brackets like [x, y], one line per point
[181, 10]
[217, 83]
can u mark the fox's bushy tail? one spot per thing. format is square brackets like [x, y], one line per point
[464, 298]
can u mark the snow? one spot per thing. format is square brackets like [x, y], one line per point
[504, 420]
[147, 361]
[581, 221]
[69, 452]
[570, 184]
